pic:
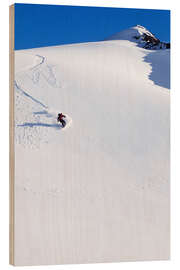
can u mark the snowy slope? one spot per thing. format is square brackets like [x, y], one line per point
[100, 187]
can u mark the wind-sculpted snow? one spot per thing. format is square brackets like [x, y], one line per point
[104, 179]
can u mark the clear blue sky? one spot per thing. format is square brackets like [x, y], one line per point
[48, 25]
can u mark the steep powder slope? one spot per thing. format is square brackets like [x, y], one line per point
[101, 187]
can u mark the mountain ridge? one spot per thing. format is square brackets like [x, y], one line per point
[140, 35]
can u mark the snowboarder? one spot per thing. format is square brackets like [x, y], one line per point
[61, 120]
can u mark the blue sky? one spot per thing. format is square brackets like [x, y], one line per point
[48, 25]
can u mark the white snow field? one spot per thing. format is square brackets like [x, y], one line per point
[98, 190]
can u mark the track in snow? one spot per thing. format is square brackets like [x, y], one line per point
[33, 118]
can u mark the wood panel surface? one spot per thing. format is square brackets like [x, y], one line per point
[11, 132]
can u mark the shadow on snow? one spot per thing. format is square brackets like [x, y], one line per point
[160, 73]
[57, 126]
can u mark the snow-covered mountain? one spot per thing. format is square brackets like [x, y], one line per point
[98, 190]
[142, 37]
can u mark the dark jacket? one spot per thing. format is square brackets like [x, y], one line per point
[60, 117]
